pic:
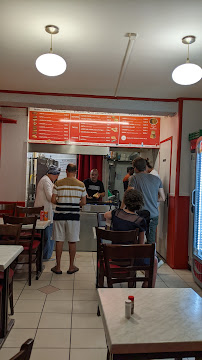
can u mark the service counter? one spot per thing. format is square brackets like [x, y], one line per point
[88, 222]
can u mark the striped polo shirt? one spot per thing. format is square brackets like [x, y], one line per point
[69, 192]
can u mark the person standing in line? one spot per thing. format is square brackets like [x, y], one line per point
[94, 187]
[68, 195]
[130, 171]
[152, 190]
[150, 169]
[43, 198]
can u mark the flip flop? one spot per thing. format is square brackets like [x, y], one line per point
[55, 271]
[72, 271]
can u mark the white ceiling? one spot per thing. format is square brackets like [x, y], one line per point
[92, 40]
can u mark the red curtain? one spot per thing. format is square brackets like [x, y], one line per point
[88, 162]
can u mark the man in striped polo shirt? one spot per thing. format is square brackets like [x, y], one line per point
[68, 195]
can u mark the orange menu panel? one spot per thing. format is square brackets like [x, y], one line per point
[140, 131]
[93, 129]
[45, 127]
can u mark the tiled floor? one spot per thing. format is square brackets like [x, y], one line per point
[59, 311]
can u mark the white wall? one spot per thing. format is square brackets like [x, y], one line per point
[13, 155]
[168, 128]
[191, 122]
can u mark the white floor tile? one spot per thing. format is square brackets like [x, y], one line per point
[88, 339]
[50, 338]
[61, 295]
[85, 321]
[18, 336]
[85, 307]
[49, 354]
[55, 321]
[87, 354]
[29, 306]
[85, 294]
[26, 320]
[58, 307]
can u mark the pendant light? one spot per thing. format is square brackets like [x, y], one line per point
[188, 73]
[51, 64]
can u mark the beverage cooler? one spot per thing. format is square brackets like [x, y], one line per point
[196, 258]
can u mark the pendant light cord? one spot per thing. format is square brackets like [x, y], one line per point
[188, 55]
[51, 48]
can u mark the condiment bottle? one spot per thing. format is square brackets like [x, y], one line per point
[132, 303]
[128, 309]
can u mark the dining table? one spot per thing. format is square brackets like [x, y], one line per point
[167, 323]
[40, 226]
[8, 253]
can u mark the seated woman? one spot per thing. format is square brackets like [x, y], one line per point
[127, 219]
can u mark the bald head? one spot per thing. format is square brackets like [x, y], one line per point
[94, 175]
[71, 169]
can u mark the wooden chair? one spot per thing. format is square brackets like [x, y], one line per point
[141, 256]
[7, 209]
[116, 237]
[31, 246]
[29, 211]
[10, 235]
[25, 351]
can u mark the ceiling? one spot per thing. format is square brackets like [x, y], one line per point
[92, 41]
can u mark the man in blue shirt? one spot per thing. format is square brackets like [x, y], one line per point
[152, 190]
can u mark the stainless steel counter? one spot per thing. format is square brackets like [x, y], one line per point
[88, 221]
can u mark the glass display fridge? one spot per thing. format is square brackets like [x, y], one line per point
[197, 221]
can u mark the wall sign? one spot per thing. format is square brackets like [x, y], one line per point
[69, 127]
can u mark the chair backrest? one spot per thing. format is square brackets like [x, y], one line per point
[7, 209]
[141, 257]
[20, 210]
[117, 237]
[10, 234]
[25, 351]
[29, 220]
[101, 221]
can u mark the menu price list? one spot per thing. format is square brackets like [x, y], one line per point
[140, 131]
[90, 129]
[86, 131]
[47, 127]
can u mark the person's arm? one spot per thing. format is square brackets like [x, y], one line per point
[83, 201]
[54, 199]
[141, 237]
[48, 190]
[102, 190]
[108, 215]
[161, 195]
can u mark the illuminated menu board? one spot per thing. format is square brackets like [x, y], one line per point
[63, 127]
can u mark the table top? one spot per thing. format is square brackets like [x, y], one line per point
[8, 254]
[40, 225]
[163, 320]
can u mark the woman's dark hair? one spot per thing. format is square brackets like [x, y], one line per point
[133, 200]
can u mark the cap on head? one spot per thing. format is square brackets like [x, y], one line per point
[53, 170]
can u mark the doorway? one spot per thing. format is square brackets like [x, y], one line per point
[165, 156]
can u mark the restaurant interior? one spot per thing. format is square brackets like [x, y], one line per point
[114, 101]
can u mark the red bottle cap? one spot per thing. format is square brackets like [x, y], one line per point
[131, 298]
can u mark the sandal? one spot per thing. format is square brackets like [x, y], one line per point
[55, 271]
[73, 271]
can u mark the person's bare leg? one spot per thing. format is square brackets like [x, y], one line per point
[59, 247]
[72, 253]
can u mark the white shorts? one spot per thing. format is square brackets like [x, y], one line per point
[66, 230]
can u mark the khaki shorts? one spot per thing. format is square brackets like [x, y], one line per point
[66, 230]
